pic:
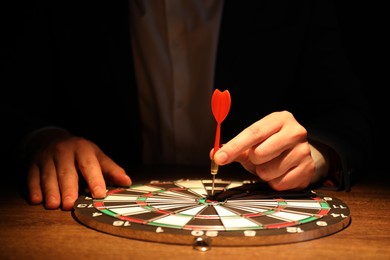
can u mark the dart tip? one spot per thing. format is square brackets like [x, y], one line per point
[212, 186]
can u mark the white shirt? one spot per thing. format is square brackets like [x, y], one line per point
[174, 46]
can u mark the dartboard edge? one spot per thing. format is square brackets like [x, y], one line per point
[179, 212]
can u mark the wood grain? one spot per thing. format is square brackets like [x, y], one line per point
[33, 232]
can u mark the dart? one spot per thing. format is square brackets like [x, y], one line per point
[220, 106]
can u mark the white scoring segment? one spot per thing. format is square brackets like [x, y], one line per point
[252, 209]
[232, 220]
[126, 210]
[166, 204]
[288, 216]
[182, 218]
[194, 211]
[171, 206]
[234, 184]
[193, 185]
[144, 188]
[304, 204]
[223, 212]
[120, 197]
[253, 203]
[153, 200]
[176, 195]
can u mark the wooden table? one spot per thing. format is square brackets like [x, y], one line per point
[32, 232]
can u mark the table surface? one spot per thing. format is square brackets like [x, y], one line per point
[33, 232]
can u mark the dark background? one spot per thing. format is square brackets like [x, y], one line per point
[364, 32]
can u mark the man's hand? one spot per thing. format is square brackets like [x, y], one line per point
[56, 159]
[275, 148]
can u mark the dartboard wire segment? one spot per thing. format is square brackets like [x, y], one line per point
[241, 213]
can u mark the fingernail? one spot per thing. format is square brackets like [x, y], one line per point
[35, 198]
[220, 157]
[99, 192]
[68, 199]
[51, 200]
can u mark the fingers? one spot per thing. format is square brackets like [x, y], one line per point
[240, 143]
[43, 185]
[53, 175]
[263, 140]
[58, 160]
[67, 176]
[296, 178]
[34, 185]
[115, 174]
[95, 167]
[89, 166]
[251, 136]
[275, 148]
[292, 169]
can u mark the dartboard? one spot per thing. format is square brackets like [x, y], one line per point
[238, 213]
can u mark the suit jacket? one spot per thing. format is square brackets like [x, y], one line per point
[73, 68]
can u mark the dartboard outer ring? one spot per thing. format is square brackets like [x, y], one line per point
[111, 215]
